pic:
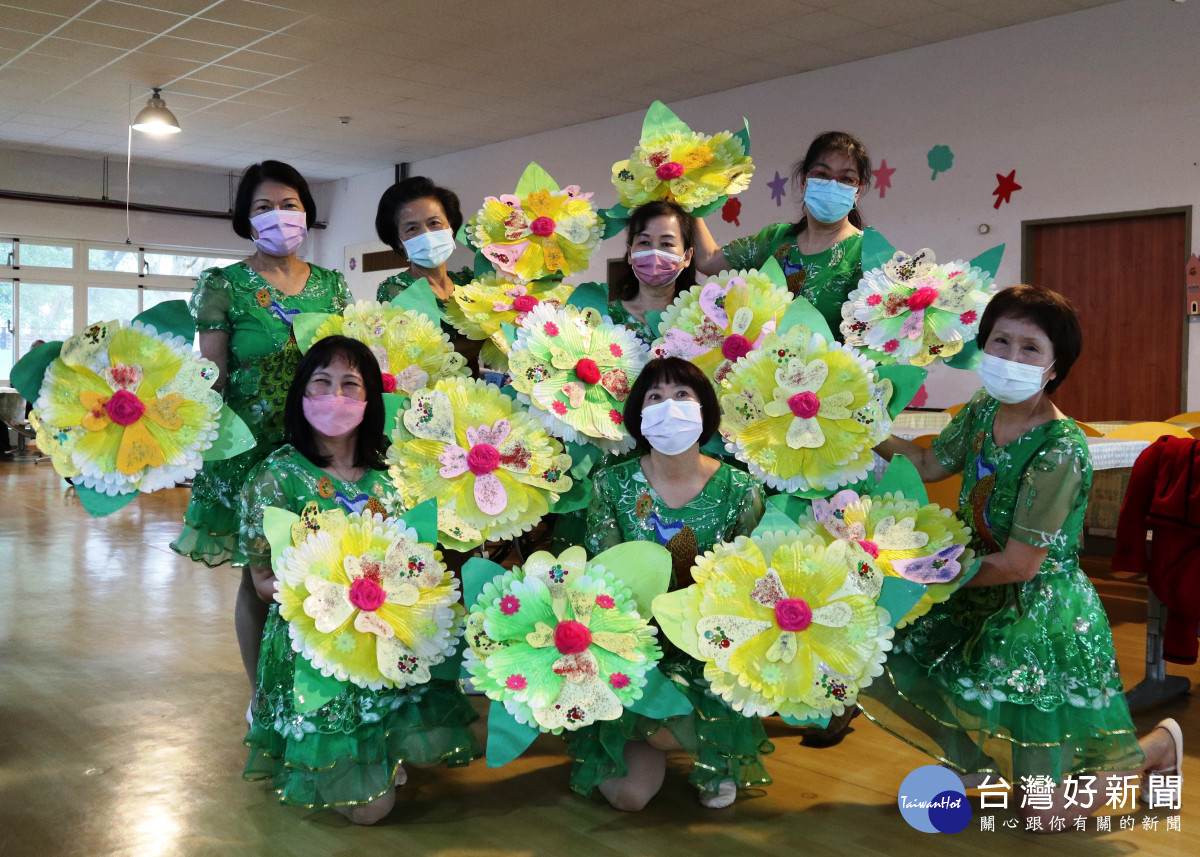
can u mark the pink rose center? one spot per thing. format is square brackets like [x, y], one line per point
[736, 346]
[587, 371]
[571, 637]
[516, 681]
[124, 408]
[543, 227]
[804, 405]
[366, 594]
[524, 303]
[669, 170]
[389, 382]
[870, 547]
[483, 458]
[922, 298]
[618, 680]
[793, 614]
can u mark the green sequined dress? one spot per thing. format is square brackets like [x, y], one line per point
[260, 364]
[824, 279]
[723, 744]
[346, 752]
[1018, 679]
[622, 316]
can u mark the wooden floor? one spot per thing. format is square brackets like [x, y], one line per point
[121, 719]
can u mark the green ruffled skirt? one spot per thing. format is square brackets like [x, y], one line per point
[1017, 680]
[346, 753]
[723, 744]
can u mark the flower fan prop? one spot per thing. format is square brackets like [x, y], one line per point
[493, 470]
[715, 324]
[575, 370]
[540, 231]
[563, 642]
[125, 407]
[484, 305]
[675, 163]
[911, 310]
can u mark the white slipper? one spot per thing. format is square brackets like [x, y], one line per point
[250, 713]
[1172, 728]
[724, 796]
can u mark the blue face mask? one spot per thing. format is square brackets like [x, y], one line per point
[828, 201]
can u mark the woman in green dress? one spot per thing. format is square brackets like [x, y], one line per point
[348, 753]
[688, 502]
[244, 317]
[821, 255]
[1015, 675]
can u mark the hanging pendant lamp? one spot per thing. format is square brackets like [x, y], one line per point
[155, 118]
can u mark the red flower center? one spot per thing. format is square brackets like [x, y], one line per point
[870, 547]
[805, 405]
[735, 346]
[793, 614]
[366, 594]
[922, 298]
[524, 303]
[483, 458]
[389, 382]
[587, 371]
[124, 408]
[571, 637]
[542, 227]
[669, 170]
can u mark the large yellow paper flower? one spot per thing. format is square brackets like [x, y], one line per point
[685, 167]
[413, 352]
[481, 306]
[367, 602]
[493, 470]
[125, 408]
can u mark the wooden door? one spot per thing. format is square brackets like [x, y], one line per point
[1125, 274]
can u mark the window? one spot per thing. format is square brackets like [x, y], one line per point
[45, 311]
[125, 261]
[6, 253]
[108, 304]
[45, 256]
[7, 329]
[177, 265]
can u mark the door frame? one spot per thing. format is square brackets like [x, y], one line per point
[1027, 227]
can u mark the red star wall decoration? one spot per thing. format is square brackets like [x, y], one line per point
[1005, 187]
[883, 177]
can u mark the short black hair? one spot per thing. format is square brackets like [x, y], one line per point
[1050, 311]
[370, 443]
[401, 194]
[625, 284]
[269, 171]
[672, 370]
[850, 146]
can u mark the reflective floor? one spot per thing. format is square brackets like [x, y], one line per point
[121, 717]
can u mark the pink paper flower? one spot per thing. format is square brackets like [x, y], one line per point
[804, 405]
[389, 382]
[509, 605]
[516, 681]
[669, 170]
[618, 680]
[367, 594]
[571, 637]
[124, 408]
[792, 614]
[605, 602]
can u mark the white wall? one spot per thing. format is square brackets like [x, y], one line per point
[1097, 111]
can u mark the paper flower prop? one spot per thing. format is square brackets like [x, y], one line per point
[784, 624]
[725, 319]
[493, 470]
[803, 413]
[575, 371]
[675, 163]
[480, 307]
[366, 601]
[911, 310]
[540, 231]
[560, 642]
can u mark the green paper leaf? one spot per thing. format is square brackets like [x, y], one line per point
[394, 406]
[476, 572]
[803, 312]
[98, 504]
[875, 249]
[774, 272]
[668, 612]
[906, 380]
[583, 458]
[969, 358]
[898, 596]
[311, 689]
[614, 219]
[26, 376]
[661, 119]
[509, 332]
[654, 319]
[645, 567]
[709, 207]
[277, 527]
[744, 134]
[791, 505]
[817, 722]
[534, 178]
[594, 295]
[423, 519]
[902, 477]
[451, 669]
[233, 437]
[419, 297]
[506, 738]
[577, 498]
[774, 521]
[481, 265]
[715, 447]
[510, 391]
[660, 698]
[989, 260]
[304, 328]
[170, 317]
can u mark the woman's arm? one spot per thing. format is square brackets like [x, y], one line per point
[922, 457]
[1017, 563]
[214, 346]
[264, 582]
[709, 257]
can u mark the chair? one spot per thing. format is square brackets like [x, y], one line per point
[945, 492]
[1189, 417]
[1088, 429]
[954, 409]
[1150, 431]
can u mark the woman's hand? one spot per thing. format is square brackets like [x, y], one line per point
[214, 346]
[264, 583]
[708, 255]
[922, 457]
[1017, 563]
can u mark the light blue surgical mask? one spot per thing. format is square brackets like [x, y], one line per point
[1011, 382]
[827, 200]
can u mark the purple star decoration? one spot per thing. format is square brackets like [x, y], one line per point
[778, 188]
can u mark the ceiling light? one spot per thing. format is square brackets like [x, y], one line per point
[155, 118]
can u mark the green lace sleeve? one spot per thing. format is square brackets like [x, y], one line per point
[265, 488]
[341, 293]
[211, 301]
[602, 531]
[954, 444]
[1049, 492]
[750, 509]
[754, 250]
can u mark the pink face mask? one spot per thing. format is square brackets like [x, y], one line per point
[280, 232]
[656, 267]
[333, 416]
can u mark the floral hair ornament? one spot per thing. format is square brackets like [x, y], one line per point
[125, 407]
[908, 309]
[675, 163]
[540, 231]
[563, 642]
[718, 323]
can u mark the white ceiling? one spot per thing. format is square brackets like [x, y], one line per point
[249, 80]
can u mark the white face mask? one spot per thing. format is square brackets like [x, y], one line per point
[430, 249]
[672, 426]
[1011, 382]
